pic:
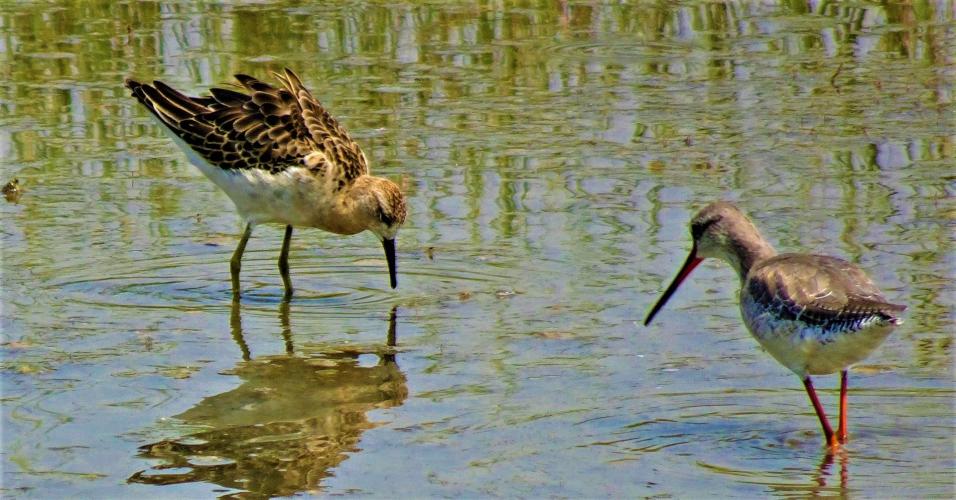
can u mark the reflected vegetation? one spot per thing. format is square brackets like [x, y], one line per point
[291, 420]
[551, 153]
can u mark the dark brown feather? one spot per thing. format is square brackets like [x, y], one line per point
[819, 290]
[269, 128]
[228, 98]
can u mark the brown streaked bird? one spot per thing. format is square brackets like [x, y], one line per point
[813, 313]
[281, 158]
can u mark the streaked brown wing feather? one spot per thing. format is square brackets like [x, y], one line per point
[269, 128]
[818, 289]
[333, 140]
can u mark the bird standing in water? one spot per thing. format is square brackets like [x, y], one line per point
[813, 313]
[281, 158]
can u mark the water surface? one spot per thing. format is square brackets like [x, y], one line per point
[552, 155]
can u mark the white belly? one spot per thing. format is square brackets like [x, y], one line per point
[808, 349]
[294, 196]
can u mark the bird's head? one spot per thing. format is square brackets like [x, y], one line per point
[381, 205]
[720, 230]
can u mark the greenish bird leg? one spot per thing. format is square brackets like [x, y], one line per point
[284, 263]
[236, 263]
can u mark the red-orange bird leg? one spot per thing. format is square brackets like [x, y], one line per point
[841, 430]
[827, 430]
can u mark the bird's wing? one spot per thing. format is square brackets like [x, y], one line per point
[330, 137]
[818, 289]
[265, 128]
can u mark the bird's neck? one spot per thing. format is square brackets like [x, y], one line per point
[746, 250]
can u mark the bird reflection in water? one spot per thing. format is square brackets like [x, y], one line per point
[824, 471]
[235, 326]
[293, 418]
[822, 478]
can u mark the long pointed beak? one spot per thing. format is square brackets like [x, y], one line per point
[389, 246]
[692, 261]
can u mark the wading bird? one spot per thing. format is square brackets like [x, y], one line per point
[813, 313]
[281, 158]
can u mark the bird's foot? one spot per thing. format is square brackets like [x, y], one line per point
[834, 443]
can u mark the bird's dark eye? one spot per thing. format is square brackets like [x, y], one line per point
[387, 219]
[698, 227]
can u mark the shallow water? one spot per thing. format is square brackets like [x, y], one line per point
[552, 156]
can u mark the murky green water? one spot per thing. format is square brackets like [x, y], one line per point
[552, 155]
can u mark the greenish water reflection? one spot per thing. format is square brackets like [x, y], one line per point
[293, 418]
[552, 153]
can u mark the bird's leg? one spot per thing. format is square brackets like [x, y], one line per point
[286, 326]
[235, 324]
[827, 430]
[284, 263]
[236, 263]
[841, 430]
